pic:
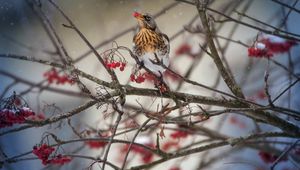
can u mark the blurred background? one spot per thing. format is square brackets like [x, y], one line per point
[105, 22]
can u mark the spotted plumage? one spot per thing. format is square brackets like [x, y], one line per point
[150, 45]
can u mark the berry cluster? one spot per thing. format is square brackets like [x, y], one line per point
[145, 154]
[259, 50]
[170, 144]
[179, 134]
[276, 44]
[44, 151]
[53, 77]
[115, 64]
[9, 117]
[95, 144]
[14, 110]
[150, 77]
[60, 160]
[139, 78]
[269, 45]
[183, 49]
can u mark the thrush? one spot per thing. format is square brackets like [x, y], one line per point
[151, 46]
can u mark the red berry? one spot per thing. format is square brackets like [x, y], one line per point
[123, 64]
[140, 79]
[118, 64]
[132, 77]
[113, 65]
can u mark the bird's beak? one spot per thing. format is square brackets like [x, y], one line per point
[137, 15]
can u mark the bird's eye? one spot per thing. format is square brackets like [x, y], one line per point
[147, 18]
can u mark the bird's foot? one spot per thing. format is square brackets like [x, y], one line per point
[141, 65]
[160, 84]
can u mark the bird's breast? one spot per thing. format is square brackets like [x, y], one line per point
[147, 40]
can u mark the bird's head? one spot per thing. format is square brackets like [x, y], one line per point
[145, 20]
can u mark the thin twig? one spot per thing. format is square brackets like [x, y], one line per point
[283, 154]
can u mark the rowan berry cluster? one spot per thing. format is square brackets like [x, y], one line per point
[14, 110]
[93, 144]
[259, 50]
[44, 151]
[277, 44]
[9, 117]
[269, 45]
[140, 78]
[145, 154]
[111, 64]
[54, 77]
[178, 134]
[183, 49]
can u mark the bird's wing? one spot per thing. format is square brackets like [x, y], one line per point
[167, 42]
[164, 50]
[166, 37]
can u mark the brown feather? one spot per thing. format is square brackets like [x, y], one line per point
[147, 40]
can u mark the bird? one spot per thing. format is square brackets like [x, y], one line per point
[150, 45]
